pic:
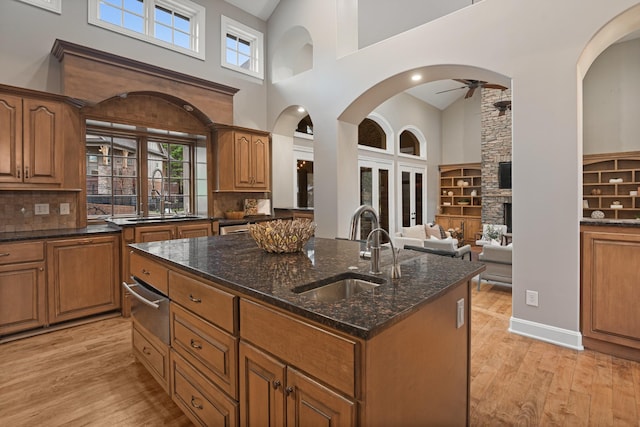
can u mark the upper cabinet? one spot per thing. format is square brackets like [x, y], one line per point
[30, 139]
[243, 160]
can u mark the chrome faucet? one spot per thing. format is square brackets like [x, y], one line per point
[353, 229]
[375, 253]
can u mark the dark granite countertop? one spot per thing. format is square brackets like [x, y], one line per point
[611, 222]
[51, 234]
[236, 262]
[134, 221]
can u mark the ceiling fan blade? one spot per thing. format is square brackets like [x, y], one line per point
[449, 90]
[466, 82]
[470, 92]
[494, 86]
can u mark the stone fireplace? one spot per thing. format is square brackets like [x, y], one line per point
[495, 148]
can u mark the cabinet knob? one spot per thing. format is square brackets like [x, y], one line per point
[276, 384]
[195, 404]
[288, 391]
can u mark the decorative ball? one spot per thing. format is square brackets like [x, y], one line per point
[597, 214]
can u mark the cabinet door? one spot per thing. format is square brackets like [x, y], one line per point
[311, 404]
[260, 161]
[154, 233]
[10, 139]
[187, 231]
[242, 158]
[471, 227]
[261, 388]
[22, 297]
[42, 146]
[83, 277]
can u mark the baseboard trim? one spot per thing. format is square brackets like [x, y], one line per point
[546, 333]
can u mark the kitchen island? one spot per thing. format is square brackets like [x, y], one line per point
[250, 347]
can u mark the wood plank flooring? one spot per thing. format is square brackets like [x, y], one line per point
[87, 376]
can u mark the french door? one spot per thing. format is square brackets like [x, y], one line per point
[376, 190]
[412, 209]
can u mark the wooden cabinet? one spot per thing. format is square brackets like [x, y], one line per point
[31, 139]
[274, 394]
[83, 277]
[204, 350]
[22, 287]
[243, 158]
[611, 183]
[152, 353]
[461, 199]
[610, 291]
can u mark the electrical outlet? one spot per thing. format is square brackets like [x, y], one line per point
[532, 298]
[64, 208]
[41, 209]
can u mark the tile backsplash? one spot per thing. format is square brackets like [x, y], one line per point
[17, 210]
[233, 201]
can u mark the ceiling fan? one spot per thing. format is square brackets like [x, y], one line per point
[472, 85]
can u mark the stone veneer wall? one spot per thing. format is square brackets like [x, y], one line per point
[495, 148]
[17, 210]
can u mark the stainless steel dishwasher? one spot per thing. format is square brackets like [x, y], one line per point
[150, 308]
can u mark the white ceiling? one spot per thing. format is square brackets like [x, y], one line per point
[260, 8]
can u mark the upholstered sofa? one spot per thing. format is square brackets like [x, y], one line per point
[417, 234]
[498, 262]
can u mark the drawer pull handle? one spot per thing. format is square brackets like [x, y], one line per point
[146, 351]
[276, 384]
[195, 344]
[195, 404]
[288, 391]
[194, 299]
[26, 172]
[146, 272]
[5, 254]
[86, 242]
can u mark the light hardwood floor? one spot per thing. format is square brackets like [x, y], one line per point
[86, 376]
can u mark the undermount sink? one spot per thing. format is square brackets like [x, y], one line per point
[339, 289]
[164, 218]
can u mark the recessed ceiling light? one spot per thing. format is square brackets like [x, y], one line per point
[416, 77]
[300, 109]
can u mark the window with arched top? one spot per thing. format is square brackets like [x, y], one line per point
[371, 134]
[409, 144]
[305, 125]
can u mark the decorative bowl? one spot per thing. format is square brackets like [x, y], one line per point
[597, 214]
[234, 214]
[282, 236]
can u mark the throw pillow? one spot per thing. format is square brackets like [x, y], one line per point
[433, 230]
[415, 232]
[443, 234]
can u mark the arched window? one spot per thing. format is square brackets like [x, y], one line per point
[371, 134]
[305, 125]
[409, 144]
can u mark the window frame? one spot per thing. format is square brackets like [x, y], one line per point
[195, 13]
[54, 6]
[253, 36]
[421, 140]
[390, 135]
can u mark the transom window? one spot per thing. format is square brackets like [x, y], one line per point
[242, 48]
[174, 24]
[371, 134]
[133, 171]
[409, 144]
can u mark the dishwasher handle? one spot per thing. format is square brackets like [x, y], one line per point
[139, 297]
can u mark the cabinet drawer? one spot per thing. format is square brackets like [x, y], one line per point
[326, 356]
[208, 348]
[21, 252]
[151, 272]
[203, 403]
[214, 305]
[151, 353]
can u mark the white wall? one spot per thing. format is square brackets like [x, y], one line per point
[612, 99]
[461, 131]
[381, 19]
[547, 135]
[28, 33]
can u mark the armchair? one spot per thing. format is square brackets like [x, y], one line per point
[491, 233]
[445, 247]
[498, 262]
